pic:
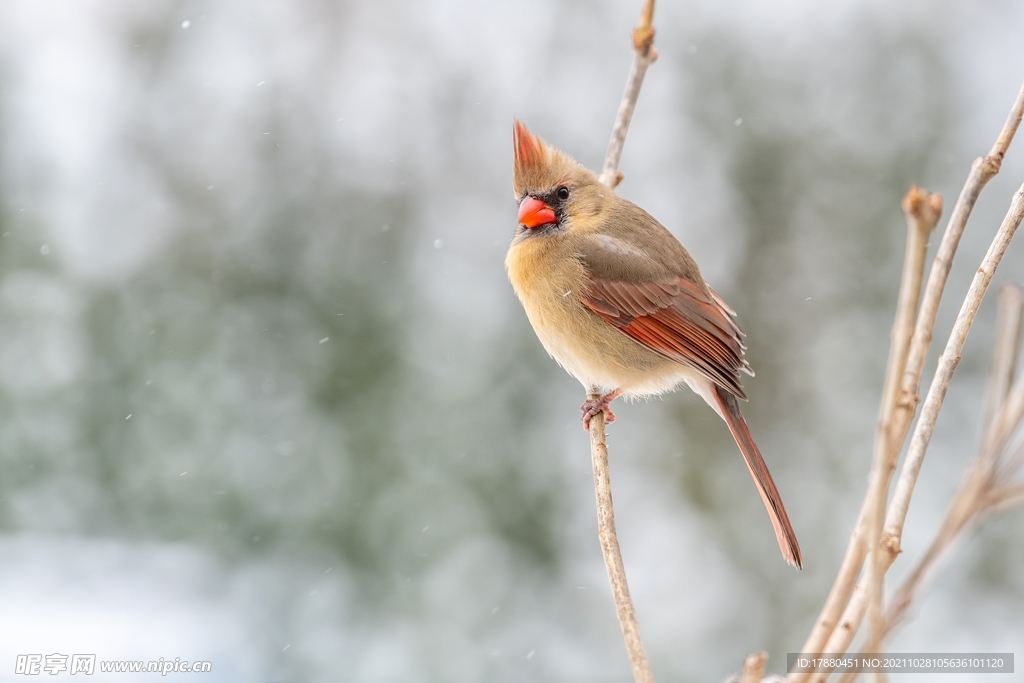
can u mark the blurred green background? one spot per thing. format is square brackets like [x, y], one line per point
[267, 399]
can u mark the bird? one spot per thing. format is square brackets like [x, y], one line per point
[621, 305]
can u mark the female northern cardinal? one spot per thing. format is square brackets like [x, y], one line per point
[621, 305]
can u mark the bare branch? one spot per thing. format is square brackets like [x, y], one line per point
[982, 171]
[841, 638]
[1008, 498]
[922, 210]
[966, 508]
[643, 44]
[646, 54]
[1005, 352]
[820, 639]
[1010, 416]
[982, 489]
[950, 358]
[1002, 143]
[753, 667]
[979, 493]
[1004, 364]
[610, 549]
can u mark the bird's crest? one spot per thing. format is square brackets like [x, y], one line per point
[531, 151]
[539, 166]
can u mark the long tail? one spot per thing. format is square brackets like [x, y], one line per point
[729, 409]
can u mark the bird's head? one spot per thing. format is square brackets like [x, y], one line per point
[553, 190]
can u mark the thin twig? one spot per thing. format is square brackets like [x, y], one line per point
[1009, 498]
[971, 488]
[922, 210]
[982, 490]
[612, 554]
[950, 358]
[819, 640]
[843, 636]
[753, 667]
[1004, 360]
[645, 54]
[1005, 409]
[643, 44]
[1012, 410]
[959, 518]
[982, 171]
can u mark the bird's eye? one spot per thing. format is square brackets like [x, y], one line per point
[562, 192]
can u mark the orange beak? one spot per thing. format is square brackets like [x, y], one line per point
[534, 213]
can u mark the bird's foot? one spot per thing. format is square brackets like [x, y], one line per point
[593, 406]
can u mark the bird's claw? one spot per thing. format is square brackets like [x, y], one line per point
[593, 406]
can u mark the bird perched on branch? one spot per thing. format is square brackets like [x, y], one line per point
[621, 305]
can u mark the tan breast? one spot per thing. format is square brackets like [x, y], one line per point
[548, 280]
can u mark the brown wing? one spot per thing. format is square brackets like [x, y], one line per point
[675, 317]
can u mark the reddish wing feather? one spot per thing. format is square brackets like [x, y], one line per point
[677, 319]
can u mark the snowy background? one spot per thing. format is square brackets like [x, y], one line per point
[267, 398]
